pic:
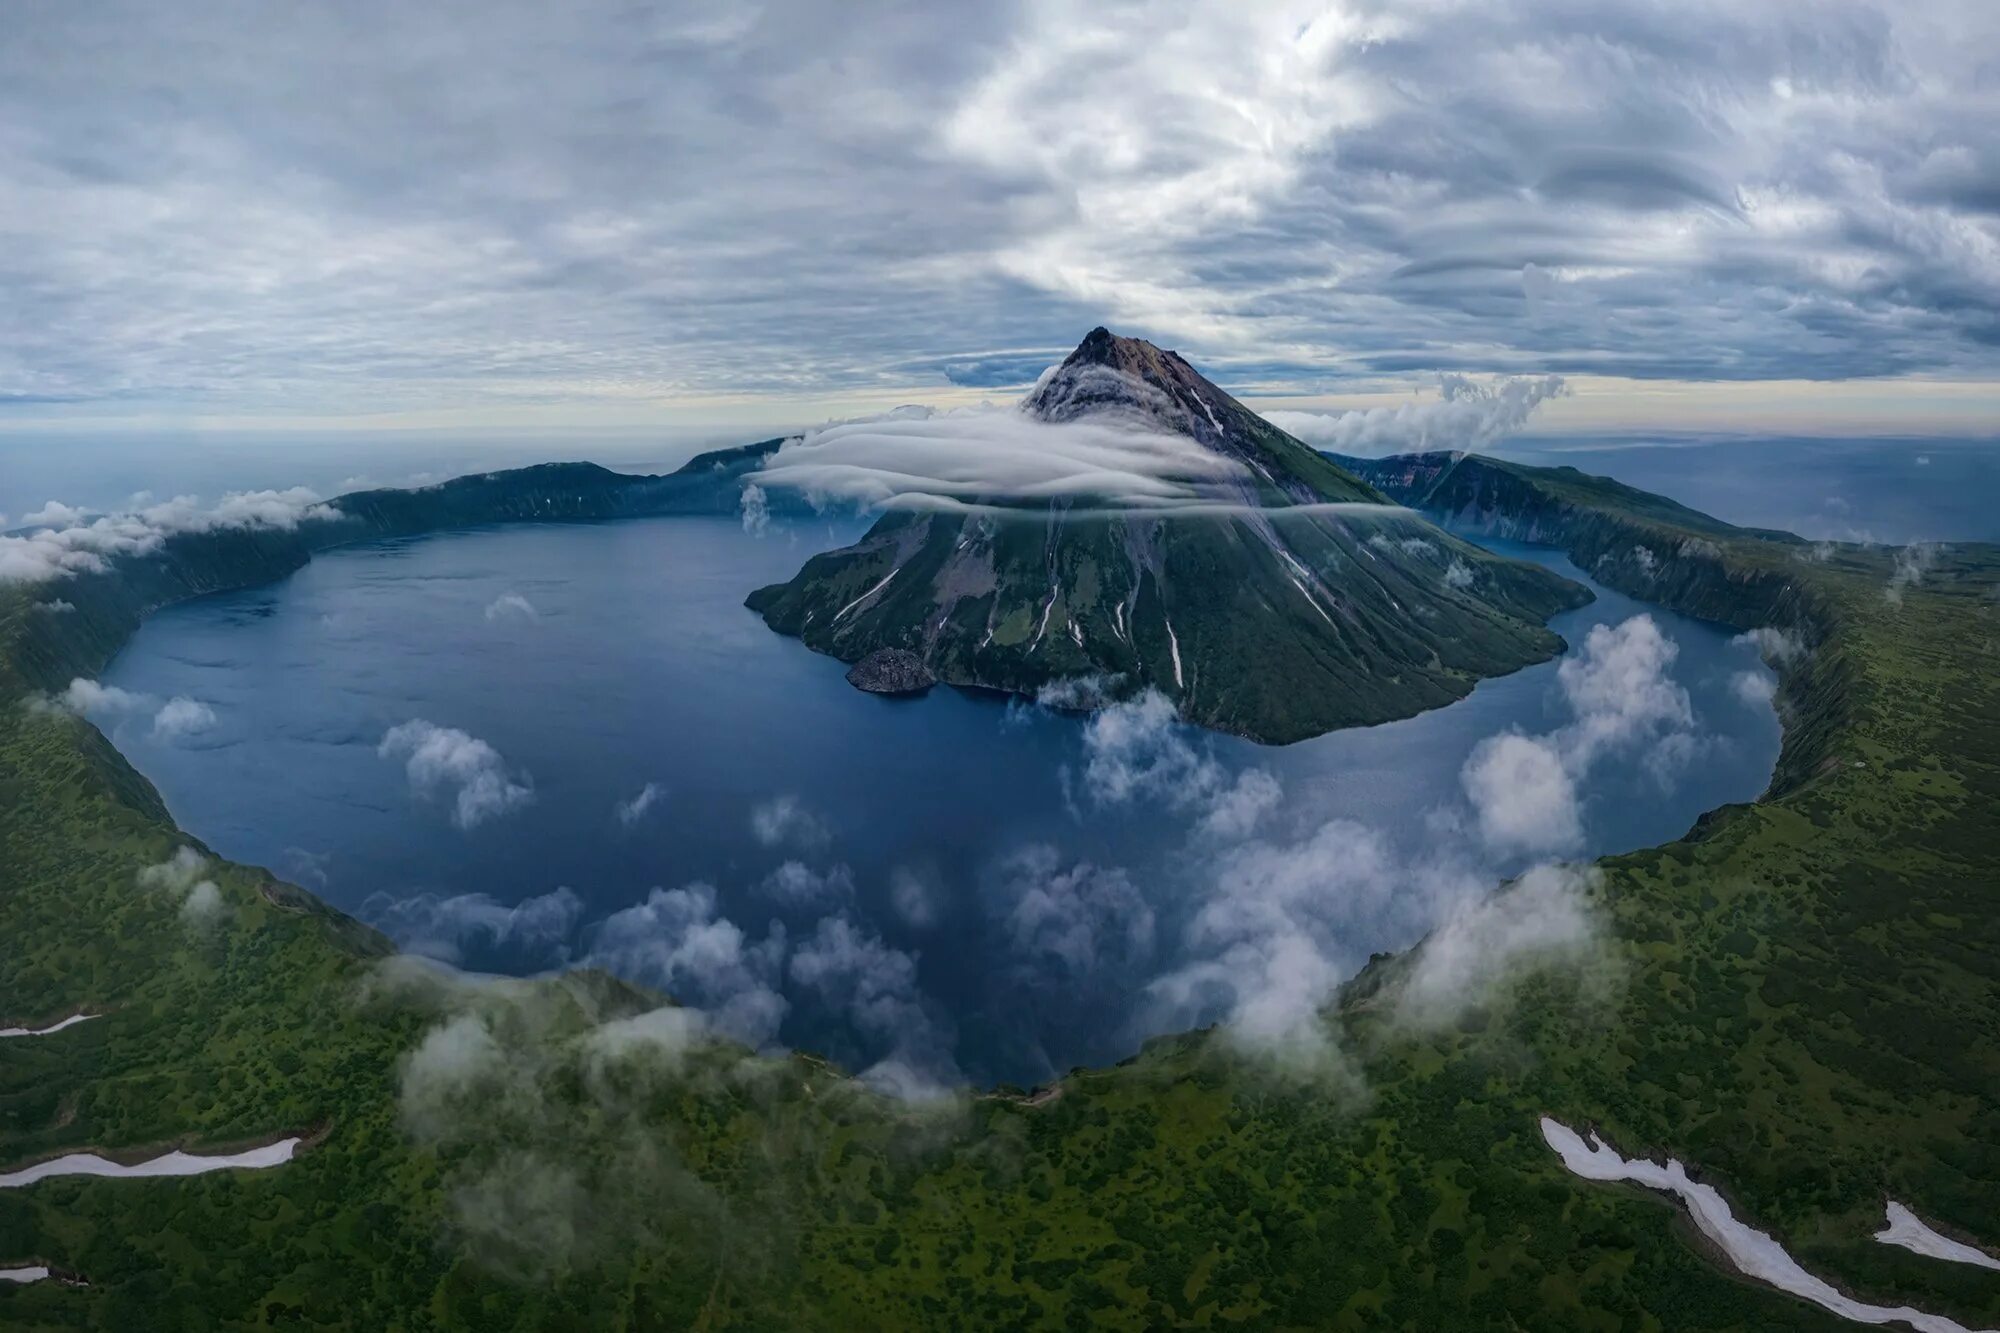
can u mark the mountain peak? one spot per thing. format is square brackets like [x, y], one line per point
[1129, 380]
[1131, 377]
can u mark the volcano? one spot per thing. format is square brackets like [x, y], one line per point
[1293, 599]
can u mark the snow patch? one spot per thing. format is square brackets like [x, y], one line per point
[1913, 1233]
[167, 1164]
[1754, 1253]
[71, 1021]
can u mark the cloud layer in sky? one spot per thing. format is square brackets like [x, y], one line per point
[230, 209]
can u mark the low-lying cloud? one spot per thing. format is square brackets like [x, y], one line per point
[1465, 415]
[917, 458]
[638, 806]
[511, 606]
[1526, 791]
[444, 760]
[183, 878]
[71, 542]
[177, 720]
[180, 718]
[1139, 749]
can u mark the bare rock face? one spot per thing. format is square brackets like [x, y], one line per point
[891, 671]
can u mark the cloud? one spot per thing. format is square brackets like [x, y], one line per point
[181, 717]
[1273, 934]
[439, 758]
[874, 985]
[511, 605]
[54, 514]
[661, 1037]
[1304, 196]
[1526, 791]
[917, 896]
[1619, 686]
[785, 820]
[1085, 919]
[203, 906]
[797, 884]
[995, 455]
[1140, 749]
[1754, 688]
[1912, 563]
[1776, 646]
[1522, 794]
[177, 874]
[86, 697]
[677, 941]
[636, 808]
[75, 543]
[535, 932]
[1466, 415]
[1545, 917]
[756, 508]
[183, 877]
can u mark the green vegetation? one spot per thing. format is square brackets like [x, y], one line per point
[1801, 999]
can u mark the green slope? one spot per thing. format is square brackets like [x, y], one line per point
[1799, 998]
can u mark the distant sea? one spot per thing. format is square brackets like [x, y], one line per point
[1900, 490]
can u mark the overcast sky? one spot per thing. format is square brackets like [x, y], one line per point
[1731, 214]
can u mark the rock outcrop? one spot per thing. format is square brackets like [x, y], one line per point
[891, 671]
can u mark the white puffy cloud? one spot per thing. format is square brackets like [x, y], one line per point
[75, 543]
[181, 717]
[1754, 688]
[1085, 918]
[203, 905]
[1526, 791]
[756, 509]
[183, 877]
[536, 930]
[177, 874]
[676, 940]
[1522, 794]
[1912, 563]
[1139, 749]
[1465, 415]
[87, 697]
[1620, 687]
[1777, 646]
[917, 896]
[661, 1037]
[855, 973]
[797, 884]
[785, 820]
[54, 514]
[511, 606]
[1545, 916]
[440, 758]
[638, 806]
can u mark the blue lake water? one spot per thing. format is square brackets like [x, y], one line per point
[957, 867]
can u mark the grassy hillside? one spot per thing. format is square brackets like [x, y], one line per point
[1802, 998]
